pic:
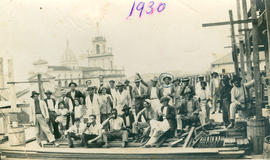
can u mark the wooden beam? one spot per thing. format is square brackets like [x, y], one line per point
[256, 63]
[12, 92]
[247, 42]
[234, 53]
[267, 18]
[40, 86]
[188, 137]
[25, 82]
[239, 16]
[242, 61]
[226, 23]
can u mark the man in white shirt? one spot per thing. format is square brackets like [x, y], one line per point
[92, 134]
[239, 97]
[92, 103]
[214, 89]
[203, 96]
[75, 132]
[117, 129]
[51, 102]
[122, 98]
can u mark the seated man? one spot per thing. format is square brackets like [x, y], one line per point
[189, 110]
[239, 97]
[128, 119]
[75, 132]
[117, 129]
[146, 115]
[92, 134]
[161, 130]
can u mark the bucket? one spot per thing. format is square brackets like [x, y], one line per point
[266, 148]
[16, 136]
[256, 132]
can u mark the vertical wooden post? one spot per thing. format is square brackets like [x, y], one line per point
[242, 60]
[12, 92]
[1, 76]
[234, 53]
[247, 41]
[40, 86]
[267, 17]
[238, 7]
[257, 75]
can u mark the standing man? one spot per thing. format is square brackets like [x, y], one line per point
[198, 86]
[176, 92]
[74, 94]
[39, 116]
[117, 129]
[214, 89]
[50, 103]
[128, 88]
[167, 88]
[186, 87]
[203, 98]
[111, 90]
[122, 98]
[153, 93]
[139, 95]
[92, 103]
[105, 104]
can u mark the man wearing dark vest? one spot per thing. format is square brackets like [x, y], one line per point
[74, 94]
[50, 102]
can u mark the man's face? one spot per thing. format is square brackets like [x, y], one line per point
[63, 94]
[88, 83]
[48, 96]
[120, 88]
[188, 96]
[77, 123]
[146, 105]
[137, 84]
[167, 80]
[165, 103]
[154, 83]
[92, 119]
[35, 97]
[103, 91]
[201, 79]
[111, 84]
[186, 83]
[114, 113]
[72, 86]
[101, 79]
[176, 83]
[91, 91]
[203, 85]
[126, 83]
[237, 83]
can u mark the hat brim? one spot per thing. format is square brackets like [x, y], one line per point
[125, 108]
[167, 77]
[72, 83]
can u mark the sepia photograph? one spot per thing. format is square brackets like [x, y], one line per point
[134, 79]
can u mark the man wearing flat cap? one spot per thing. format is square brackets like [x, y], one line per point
[74, 94]
[39, 117]
[128, 88]
[51, 103]
[239, 97]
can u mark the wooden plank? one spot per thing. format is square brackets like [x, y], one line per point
[226, 23]
[267, 17]
[234, 53]
[242, 61]
[247, 41]
[256, 62]
[188, 137]
[239, 16]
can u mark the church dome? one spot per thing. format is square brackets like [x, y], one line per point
[69, 58]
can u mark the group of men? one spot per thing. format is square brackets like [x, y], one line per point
[145, 112]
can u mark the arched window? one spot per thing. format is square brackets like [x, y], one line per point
[97, 49]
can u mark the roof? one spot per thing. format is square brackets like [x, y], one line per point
[99, 38]
[227, 59]
[80, 68]
[60, 68]
[40, 61]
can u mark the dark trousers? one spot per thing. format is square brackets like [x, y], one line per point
[70, 117]
[225, 103]
[54, 125]
[190, 120]
[138, 107]
[96, 144]
[75, 137]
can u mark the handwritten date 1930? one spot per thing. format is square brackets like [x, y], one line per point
[149, 9]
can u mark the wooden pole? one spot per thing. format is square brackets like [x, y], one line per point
[267, 17]
[242, 60]
[234, 54]
[12, 92]
[1, 76]
[256, 62]
[40, 85]
[247, 41]
[239, 16]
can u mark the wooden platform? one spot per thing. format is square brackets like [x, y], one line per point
[33, 151]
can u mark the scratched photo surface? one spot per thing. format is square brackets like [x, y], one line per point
[83, 53]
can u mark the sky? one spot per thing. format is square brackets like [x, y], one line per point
[169, 40]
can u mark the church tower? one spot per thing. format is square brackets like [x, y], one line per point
[69, 58]
[100, 56]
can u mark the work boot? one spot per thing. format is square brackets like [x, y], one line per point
[231, 125]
